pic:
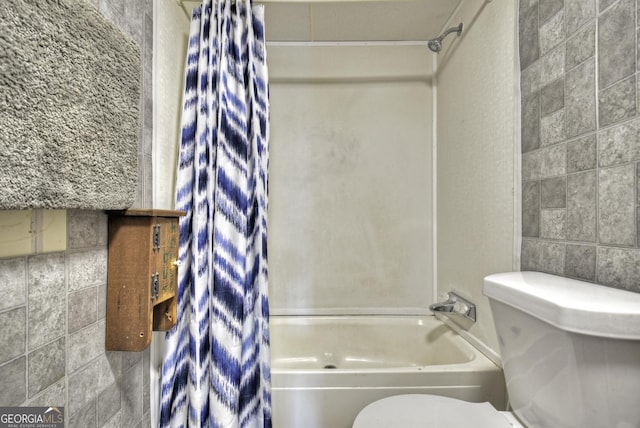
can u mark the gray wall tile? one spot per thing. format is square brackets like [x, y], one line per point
[582, 154]
[148, 181]
[552, 128]
[547, 162]
[638, 224]
[86, 229]
[616, 38]
[47, 308]
[577, 13]
[553, 160]
[13, 375]
[132, 394]
[83, 308]
[530, 79]
[552, 260]
[552, 65]
[616, 205]
[134, 10]
[580, 105]
[548, 8]
[552, 97]
[581, 47]
[530, 255]
[638, 48]
[13, 282]
[114, 422]
[617, 102]
[85, 417]
[530, 123]
[580, 262]
[113, 10]
[552, 224]
[543, 256]
[52, 396]
[637, 94]
[86, 345]
[129, 359]
[553, 192]
[134, 20]
[531, 208]
[551, 32]
[102, 301]
[146, 420]
[146, 361]
[531, 165]
[620, 144]
[13, 335]
[581, 206]
[605, 4]
[109, 403]
[87, 268]
[46, 366]
[619, 267]
[146, 401]
[86, 384]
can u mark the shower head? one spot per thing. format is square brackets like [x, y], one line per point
[436, 44]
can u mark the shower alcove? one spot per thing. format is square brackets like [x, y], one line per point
[392, 169]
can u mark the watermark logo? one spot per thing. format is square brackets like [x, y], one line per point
[31, 417]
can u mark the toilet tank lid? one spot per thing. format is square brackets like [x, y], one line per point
[569, 304]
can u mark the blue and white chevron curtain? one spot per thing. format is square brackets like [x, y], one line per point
[216, 365]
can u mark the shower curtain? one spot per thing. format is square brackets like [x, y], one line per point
[216, 365]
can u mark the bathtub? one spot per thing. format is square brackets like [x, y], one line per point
[325, 369]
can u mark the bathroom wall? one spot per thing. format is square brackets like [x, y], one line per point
[477, 172]
[53, 309]
[169, 54]
[350, 184]
[25, 232]
[581, 140]
[170, 49]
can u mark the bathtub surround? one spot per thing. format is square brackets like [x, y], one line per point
[54, 304]
[71, 82]
[581, 140]
[477, 162]
[349, 236]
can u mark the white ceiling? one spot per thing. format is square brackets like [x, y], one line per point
[392, 20]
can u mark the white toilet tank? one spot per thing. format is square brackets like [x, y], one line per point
[570, 350]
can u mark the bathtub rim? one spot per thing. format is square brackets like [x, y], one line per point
[475, 342]
[478, 362]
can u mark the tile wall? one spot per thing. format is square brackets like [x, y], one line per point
[581, 139]
[53, 306]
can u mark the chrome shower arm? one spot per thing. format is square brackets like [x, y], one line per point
[457, 29]
[436, 44]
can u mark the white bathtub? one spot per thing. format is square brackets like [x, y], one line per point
[374, 357]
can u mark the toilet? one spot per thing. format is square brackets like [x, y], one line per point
[571, 357]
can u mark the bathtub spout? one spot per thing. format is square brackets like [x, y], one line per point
[456, 305]
[442, 306]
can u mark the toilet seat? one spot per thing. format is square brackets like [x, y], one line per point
[422, 410]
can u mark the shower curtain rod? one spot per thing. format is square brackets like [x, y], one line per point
[181, 2]
[349, 43]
